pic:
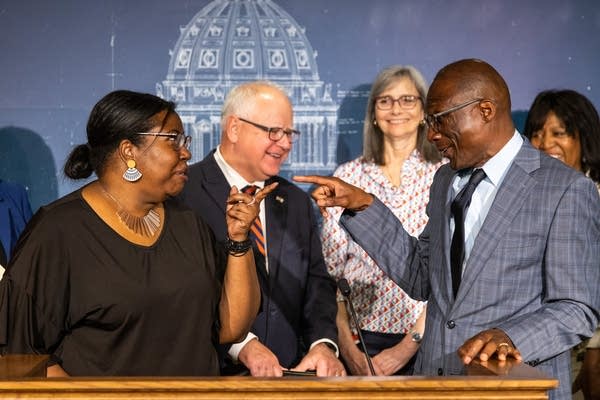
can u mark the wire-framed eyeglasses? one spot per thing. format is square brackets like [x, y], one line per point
[275, 132]
[406, 101]
[179, 139]
[434, 121]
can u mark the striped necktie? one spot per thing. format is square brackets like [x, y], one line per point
[256, 230]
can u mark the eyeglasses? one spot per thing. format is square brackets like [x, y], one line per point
[406, 101]
[434, 121]
[275, 133]
[179, 139]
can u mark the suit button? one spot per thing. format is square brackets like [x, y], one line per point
[450, 324]
[440, 371]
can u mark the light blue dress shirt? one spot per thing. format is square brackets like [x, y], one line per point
[495, 169]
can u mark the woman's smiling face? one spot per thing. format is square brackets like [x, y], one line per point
[554, 140]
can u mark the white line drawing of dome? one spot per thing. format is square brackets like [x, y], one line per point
[233, 41]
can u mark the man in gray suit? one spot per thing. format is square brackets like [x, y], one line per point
[516, 275]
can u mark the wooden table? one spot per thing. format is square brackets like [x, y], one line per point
[483, 381]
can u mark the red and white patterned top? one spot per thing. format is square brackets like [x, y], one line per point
[380, 304]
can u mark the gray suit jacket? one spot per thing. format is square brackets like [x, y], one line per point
[533, 271]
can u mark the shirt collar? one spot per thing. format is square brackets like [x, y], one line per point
[495, 168]
[231, 175]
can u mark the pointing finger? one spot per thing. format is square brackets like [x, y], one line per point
[319, 180]
[265, 191]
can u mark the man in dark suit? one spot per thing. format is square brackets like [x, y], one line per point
[296, 326]
[522, 278]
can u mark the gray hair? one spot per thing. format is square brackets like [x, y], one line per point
[239, 99]
[372, 134]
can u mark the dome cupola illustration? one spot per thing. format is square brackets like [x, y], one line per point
[234, 41]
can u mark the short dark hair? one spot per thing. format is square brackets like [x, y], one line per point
[578, 115]
[116, 117]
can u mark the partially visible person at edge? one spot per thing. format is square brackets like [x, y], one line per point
[296, 326]
[515, 273]
[15, 211]
[397, 166]
[116, 278]
[565, 125]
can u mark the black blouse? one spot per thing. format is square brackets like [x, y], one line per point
[101, 305]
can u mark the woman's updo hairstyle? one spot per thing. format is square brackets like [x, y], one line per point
[116, 117]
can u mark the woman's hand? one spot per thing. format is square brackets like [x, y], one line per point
[242, 209]
[240, 297]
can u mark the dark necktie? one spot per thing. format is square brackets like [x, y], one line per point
[459, 207]
[256, 231]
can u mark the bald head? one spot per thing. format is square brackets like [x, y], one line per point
[468, 106]
[473, 78]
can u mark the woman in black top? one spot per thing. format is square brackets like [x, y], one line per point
[117, 278]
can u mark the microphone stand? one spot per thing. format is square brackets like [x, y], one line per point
[344, 287]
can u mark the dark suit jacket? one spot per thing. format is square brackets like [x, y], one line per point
[533, 271]
[298, 295]
[15, 211]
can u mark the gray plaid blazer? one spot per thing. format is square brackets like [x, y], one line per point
[534, 270]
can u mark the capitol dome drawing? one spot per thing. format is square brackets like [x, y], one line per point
[233, 41]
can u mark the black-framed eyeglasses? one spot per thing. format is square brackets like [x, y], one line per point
[275, 132]
[434, 121]
[406, 101]
[179, 139]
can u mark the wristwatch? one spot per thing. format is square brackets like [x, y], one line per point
[416, 336]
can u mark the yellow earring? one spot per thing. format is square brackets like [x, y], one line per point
[132, 174]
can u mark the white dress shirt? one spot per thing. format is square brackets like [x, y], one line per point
[234, 178]
[495, 169]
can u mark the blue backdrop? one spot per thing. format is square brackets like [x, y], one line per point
[59, 57]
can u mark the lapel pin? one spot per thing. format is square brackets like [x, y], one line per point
[279, 199]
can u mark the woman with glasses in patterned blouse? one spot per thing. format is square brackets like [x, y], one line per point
[397, 166]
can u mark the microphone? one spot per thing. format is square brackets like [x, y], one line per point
[344, 287]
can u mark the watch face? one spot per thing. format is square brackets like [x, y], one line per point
[416, 337]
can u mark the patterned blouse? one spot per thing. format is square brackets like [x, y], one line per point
[380, 304]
